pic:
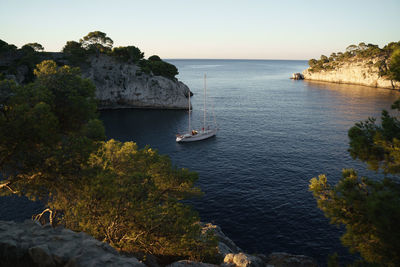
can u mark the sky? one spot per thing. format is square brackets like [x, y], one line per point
[221, 29]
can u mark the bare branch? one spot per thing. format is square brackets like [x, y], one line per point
[7, 185]
[38, 217]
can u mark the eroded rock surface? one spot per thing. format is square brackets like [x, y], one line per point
[360, 72]
[30, 244]
[123, 85]
[225, 244]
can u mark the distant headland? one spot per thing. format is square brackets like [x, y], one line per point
[122, 76]
[362, 64]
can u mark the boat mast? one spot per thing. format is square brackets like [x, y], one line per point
[205, 92]
[189, 114]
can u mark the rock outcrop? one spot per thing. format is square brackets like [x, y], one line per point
[123, 85]
[233, 256]
[360, 72]
[297, 76]
[118, 84]
[225, 244]
[30, 244]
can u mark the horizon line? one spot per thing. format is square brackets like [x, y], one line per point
[234, 59]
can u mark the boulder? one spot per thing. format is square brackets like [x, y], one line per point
[297, 76]
[243, 260]
[225, 244]
[30, 244]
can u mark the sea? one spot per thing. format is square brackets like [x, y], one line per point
[275, 134]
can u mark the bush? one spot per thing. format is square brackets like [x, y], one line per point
[75, 53]
[131, 197]
[127, 54]
[158, 67]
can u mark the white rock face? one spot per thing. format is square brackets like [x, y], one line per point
[30, 244]
[361, 72]
[122, 85]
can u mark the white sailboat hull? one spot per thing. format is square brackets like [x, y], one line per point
[196, 137]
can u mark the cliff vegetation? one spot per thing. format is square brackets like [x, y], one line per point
[22, 61]
[365, 64]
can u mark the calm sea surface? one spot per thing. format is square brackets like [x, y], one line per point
[275, 135]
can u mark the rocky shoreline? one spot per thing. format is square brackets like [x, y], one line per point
[357, 72]
[31, 244]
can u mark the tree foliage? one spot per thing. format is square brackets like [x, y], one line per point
[5, 47]
[130, 54]
[130, 199]
[97, 42]
[36, 47]
[158, 67]
[75, 53]
[369, 209]
[51, 150]
[43, 127]
[394, 66]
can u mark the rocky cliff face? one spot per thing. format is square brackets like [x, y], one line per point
[361, 72]
[122, 85]
[118, 84]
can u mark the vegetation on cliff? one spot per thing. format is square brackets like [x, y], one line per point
[23, 60]
[384, 59]
[368, 208]
[52, 149]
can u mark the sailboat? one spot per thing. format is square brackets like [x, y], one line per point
[197, 135]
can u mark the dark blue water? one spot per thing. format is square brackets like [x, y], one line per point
[275, 135]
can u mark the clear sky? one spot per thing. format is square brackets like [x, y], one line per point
[247, 29]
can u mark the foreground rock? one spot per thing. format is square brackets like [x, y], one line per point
[359, 72]
[233, 256]
[225, 244]
[30, 244]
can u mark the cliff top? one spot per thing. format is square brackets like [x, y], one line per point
[14, 61]
[365, 53]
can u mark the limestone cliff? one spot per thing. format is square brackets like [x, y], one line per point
[360, 72]
[118, 84]
[123, 85]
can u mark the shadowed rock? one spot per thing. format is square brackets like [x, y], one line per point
[30, 244]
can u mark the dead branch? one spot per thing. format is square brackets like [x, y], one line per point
[39, 216]
[7, 186]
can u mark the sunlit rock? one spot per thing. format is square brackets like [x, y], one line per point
[123, 85]
[360, 72]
